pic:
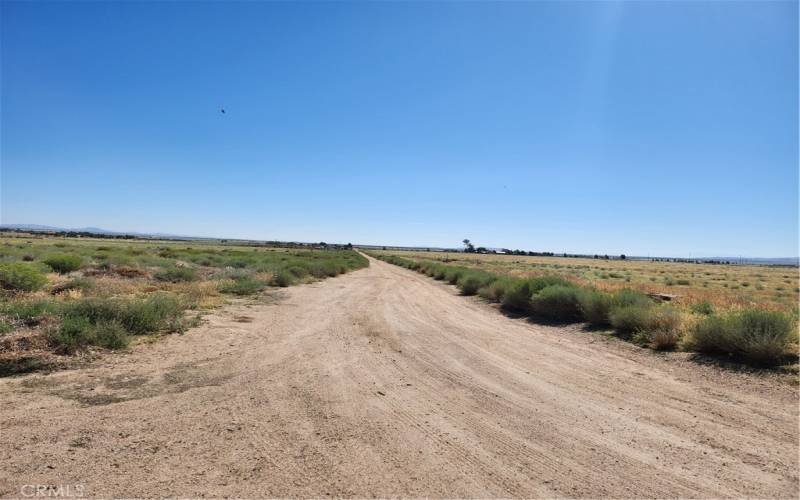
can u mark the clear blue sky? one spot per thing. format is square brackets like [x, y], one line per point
[666, 128]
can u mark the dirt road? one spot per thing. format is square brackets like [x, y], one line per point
[383, 382]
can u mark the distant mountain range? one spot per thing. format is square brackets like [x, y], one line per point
[770, 261]
[94, 230]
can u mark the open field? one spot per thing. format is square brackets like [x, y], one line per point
[61, 298]
[384, 383]
[749, 330]
[723, 286]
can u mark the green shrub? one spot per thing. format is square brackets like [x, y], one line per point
[712, 335]
[517, 296]
[63, 263]
[438, 272]
[74, 284]
[242, 286]
[323, 269]
[704, 308]
[659, 340]
[176, 274]
[629, 318]
[5, 327]
[660, 328]
[238, 263]
[452, 274]
[232, 274]
[78, 332]
[469, 282]
[159, 311]
[110, 334]
[759, 337]
[17, 276]
[32, 311]
[628, 297]
[297, 271]
[541, 282]
[74, 332]
[496, 290]
[283, 279]
[558, 302]
[595, 306]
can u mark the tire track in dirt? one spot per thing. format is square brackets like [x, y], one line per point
[383, 382]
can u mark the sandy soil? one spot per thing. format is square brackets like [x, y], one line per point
[385, 383]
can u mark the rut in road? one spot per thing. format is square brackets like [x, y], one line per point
[383, 382]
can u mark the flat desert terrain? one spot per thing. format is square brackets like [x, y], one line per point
[383, 382]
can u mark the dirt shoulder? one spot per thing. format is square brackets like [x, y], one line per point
[383, 382]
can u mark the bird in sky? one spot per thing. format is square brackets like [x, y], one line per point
[222, 110]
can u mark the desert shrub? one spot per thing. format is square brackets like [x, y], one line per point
[684, 282]
[323, 269]
[495, 290]
[757, 336]
[30, 311]
[82, 284]
[452, 274]
[629, 318]
[660, 328]
[282, 278]
[558, 302]
[110, 334]
[704, 307]
[159, 311]
[628, 297]
[541, 282]
[469, 282]
[517, 296]
[595, 306]
[712, 335]
[659, 340]
[21, 277]
[437, 272]
[63, 263]
[232, 274]
[5, 327]
[242, 286]
[663, 318]
[176, 274]
[237, 263]
[74, 332]
[78, 332]
[297, 271]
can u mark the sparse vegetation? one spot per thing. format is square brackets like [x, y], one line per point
[176, 274]
[20, 277]
[283, 278]
[64, 263]
[757, 336]
[558, 303]
[123, 289]
[752, 335]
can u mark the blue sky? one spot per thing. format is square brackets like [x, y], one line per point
[647, 128]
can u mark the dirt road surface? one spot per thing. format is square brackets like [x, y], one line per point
[385, 383]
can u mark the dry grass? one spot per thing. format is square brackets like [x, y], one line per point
[725, 287]
[125, 284]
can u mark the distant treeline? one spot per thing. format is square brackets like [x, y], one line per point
[119, 236]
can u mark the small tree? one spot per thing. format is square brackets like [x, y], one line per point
[468, 246]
